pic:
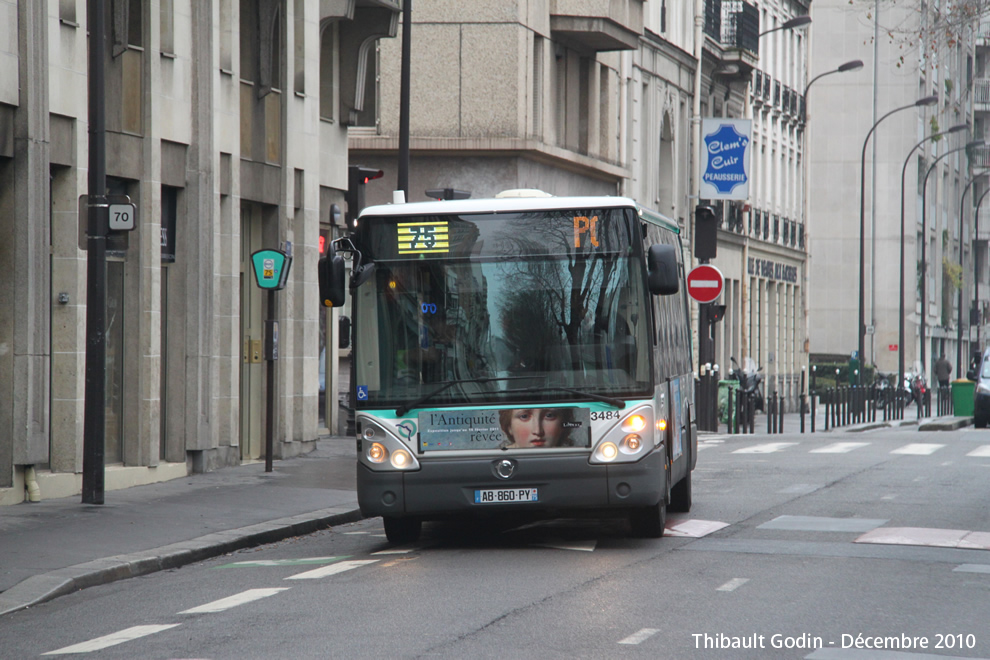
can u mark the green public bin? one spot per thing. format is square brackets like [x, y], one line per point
[962, 397]
[725, 414]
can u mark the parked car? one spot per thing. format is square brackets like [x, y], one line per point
[981, 397]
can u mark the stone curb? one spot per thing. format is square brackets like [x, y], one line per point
[40, 588]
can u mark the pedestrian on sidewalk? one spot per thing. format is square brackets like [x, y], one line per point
[942, 371]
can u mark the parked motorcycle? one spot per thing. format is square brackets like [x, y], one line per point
[914, 387]
[882, 391]
[749, 379]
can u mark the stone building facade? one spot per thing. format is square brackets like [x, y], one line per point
[214, 111]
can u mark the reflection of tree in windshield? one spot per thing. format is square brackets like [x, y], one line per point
[530, 329]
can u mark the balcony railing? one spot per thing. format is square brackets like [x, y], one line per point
[740, 26]
[713, 19]
[981, 95]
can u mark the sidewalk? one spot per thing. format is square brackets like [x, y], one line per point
[54, 547]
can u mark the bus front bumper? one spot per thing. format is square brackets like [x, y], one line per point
[447, 487]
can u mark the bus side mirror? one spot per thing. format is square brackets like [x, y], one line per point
[661, 262]
[331, 276]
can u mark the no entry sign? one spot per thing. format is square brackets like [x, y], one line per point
[704, 283]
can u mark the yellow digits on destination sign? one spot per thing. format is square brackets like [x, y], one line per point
[582, 225]
[422, 237]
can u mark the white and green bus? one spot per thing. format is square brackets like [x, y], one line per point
[524, 354]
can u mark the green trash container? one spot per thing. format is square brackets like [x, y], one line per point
[963, 391]
[725, 415]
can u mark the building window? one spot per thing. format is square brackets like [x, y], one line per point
[167, 18]
[328, 71]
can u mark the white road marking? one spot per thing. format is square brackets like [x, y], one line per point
[939, 538]
[113, 639]
[582, 546]
[839, 448]
[980, 452]
[918, 449]
[733, 584]
[972, 568]
[281, 562]
[767, 448]
[799, 489]
[332, 569]
[693, 528]
[640, 636]
[822, 524]
[233, 601]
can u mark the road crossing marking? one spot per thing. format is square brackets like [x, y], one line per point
[839, 448]
[918, 449]
[822, 524]
[980, 452]
[332, 569]
[692, 528]
[767, 448]
[281, 562]
[583, 546]
[939, 538]
[223, 604]
[733, 584]
[126, 635]
[640, 636]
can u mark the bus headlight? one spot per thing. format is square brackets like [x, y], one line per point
[606, 452]
[382, 450]
[633, 437]
[377, 452]
[401, 459]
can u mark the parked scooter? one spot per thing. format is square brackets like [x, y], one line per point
[749, 379]
[914, 387]
[882, 391]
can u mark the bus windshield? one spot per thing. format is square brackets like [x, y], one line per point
[502, 308]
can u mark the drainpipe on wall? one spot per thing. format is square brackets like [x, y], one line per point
[31, 487]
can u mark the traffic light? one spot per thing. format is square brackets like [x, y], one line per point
[705, 233]
[357, 177]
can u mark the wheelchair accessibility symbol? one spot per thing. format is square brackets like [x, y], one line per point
[362, 392]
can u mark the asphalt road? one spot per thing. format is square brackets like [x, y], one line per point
[848, 546]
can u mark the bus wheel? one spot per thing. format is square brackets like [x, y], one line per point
[402, 530]
[649, 522]
[680, 495]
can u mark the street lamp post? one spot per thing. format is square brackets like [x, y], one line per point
[861, 331]
[900, 323]
[976, 270]
[959, 313]
[790, 24]
[924, 242]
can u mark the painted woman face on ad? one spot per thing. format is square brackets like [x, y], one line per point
[534, 427]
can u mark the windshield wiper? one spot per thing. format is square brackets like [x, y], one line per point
[612, 401]
[481, 380]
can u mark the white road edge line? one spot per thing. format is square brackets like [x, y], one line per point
[733, 584]
[233, 601]
[640, 636]
[332, 569]
[112, 639]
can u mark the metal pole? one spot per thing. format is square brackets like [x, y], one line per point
[404, 83]
[976, 274]
[928, 100]
[962, 277]
[94, 419]
[270, 402]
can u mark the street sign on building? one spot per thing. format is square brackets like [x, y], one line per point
[705, 283]
[725, 158]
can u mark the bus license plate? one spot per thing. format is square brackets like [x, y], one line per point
[505, 495]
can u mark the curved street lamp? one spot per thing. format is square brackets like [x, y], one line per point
[851, 65]
[861, 331]
[959, 314]
[900, 323]
[924, 241]
[790, 24]
[976, 267]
